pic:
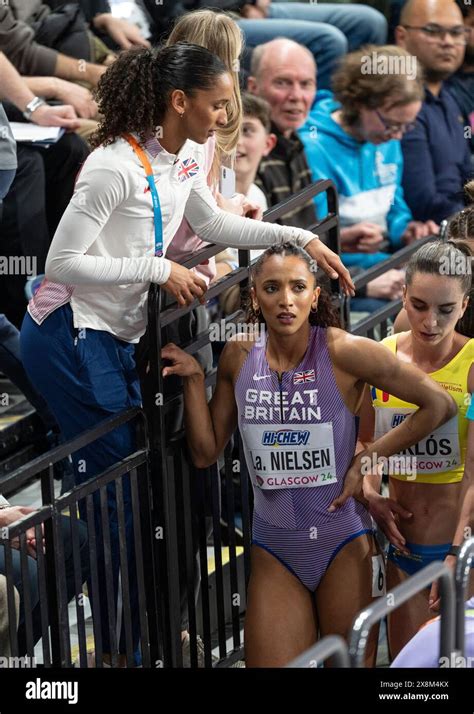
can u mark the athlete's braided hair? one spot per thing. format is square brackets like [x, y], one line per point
[466, 324]
[461, 226]
[133, 93]
[326, 314]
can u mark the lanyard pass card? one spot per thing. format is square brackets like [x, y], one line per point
[158, 221]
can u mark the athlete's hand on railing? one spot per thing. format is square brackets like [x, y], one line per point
[385, 512]
[185, 285]
[434, 598]
[182, 364]
[331, 263]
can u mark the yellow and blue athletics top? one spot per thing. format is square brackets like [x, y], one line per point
[440, 457]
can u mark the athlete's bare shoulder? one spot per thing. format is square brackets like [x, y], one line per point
[348, 351]
[339, 339]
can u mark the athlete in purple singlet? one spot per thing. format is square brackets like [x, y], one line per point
[294, 390]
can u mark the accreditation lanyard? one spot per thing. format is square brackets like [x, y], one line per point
[158, 221]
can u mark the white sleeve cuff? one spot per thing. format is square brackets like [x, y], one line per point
[161, 270]
[303, 237]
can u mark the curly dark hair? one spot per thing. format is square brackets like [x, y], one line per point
[133, 94]
[325, 316]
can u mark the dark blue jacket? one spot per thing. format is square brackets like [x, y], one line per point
[436, 159]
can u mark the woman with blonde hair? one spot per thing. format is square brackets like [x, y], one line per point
[218, 33]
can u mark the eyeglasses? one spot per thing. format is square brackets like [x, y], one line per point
[436, 33]
[392, 127]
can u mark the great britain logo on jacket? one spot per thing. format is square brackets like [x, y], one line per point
[187, 169]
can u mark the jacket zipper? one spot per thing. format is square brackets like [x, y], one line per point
[280, 379]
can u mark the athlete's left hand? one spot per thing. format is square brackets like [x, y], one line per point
[352, 486]
[182, 363]
[331, 263]
[434, 598]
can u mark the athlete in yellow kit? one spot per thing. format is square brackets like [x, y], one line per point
[426, 514]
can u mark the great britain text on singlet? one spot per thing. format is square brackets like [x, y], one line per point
[267, 405]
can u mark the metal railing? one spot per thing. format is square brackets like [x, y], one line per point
[373, 614]
[70, 551]
[462, 576]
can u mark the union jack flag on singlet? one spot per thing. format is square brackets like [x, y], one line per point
[187, 169]
[306, 376]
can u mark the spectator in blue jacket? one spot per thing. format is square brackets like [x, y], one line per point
[353, 138]
[436, 154]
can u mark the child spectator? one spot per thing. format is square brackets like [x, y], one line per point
[255, 142]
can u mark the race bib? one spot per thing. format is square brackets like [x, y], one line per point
[378, 576]
[438, 452]
[284, 456]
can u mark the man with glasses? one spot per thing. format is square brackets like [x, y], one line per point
[436, 153]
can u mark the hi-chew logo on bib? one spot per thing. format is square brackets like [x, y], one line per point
[285, 436]
[286, 457]
[438, 452]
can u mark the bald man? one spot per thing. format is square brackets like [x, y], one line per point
[284, 73]
[436, 153]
